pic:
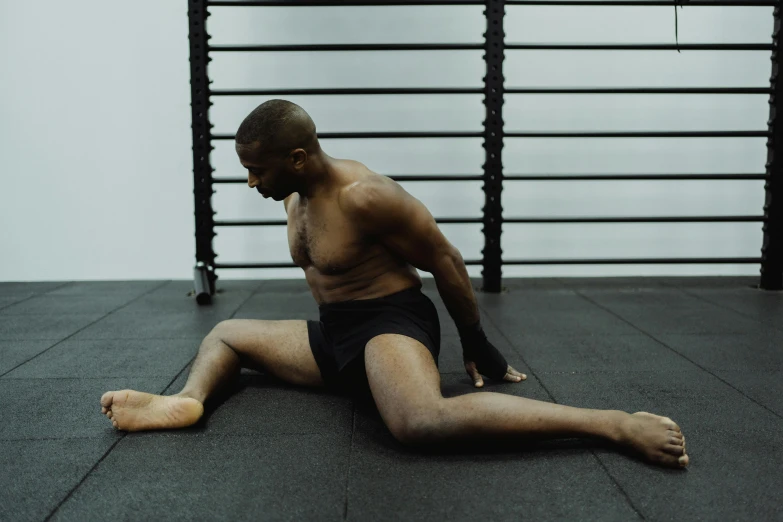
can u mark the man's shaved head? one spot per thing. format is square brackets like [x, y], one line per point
[279, 127]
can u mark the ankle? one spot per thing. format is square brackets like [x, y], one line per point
[188, 395]
[618, 426]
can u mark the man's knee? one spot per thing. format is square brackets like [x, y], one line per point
[417, 428]
[225, 333]
[225, 330]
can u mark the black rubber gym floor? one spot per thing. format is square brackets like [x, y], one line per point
[707, 352]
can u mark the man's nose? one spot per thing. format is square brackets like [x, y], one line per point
[252, 181]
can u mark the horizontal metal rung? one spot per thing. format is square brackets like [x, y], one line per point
[640, 47]
[254, 223]
[282, 222]
[654, 261]
[347, 47]
[373, 91]
[570, 177]
[639, 177]
[663, 219]
[635, 134]
[458, 221]
[337, 3]
[667, 3]
[255, 265]
[438, 178]
[378, 135]
[292, 265]
[465, 221]
[640, 90]
[640, 134]
[588, 177]
[395, 178]
[477, 90]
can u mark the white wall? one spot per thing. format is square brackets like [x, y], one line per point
[95, 141]
[95, 131]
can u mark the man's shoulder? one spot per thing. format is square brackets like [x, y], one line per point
[358, 173]
[367, 193]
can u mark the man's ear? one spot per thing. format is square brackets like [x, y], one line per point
[298, 158]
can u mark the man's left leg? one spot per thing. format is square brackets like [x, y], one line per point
[405, 385]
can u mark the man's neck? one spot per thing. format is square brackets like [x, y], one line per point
[319, 179]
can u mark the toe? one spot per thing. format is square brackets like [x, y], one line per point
[114, 423]
[106, 399]
[674, 450]
[103, 409]
[109, 414]
[676, 461]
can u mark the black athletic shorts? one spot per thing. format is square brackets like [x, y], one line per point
[338, 340]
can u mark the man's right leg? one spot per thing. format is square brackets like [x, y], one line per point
[279, 347]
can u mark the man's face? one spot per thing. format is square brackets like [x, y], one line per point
[265, 172]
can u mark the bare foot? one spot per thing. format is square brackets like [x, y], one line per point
[135, 411]
[658, 439]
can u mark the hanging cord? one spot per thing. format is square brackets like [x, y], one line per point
[676, 36]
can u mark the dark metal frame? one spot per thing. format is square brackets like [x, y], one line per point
[494, 91]
[204, 273]
[772, 247]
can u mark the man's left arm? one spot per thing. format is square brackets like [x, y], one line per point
[479, 355]
[407, 229]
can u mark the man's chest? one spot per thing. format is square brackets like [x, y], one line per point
[321, 236]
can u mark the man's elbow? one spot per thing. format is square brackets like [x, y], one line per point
[447, 262]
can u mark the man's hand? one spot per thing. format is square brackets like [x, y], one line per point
[481, 357]
[511, 375]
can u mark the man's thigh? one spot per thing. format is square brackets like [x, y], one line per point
[404, 380]
[281, 348]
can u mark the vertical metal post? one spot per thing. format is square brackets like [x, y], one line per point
[202, 142]
[772, 248]
[493, 144]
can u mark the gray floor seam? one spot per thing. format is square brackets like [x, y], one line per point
[17, 302]
[178, 374]
[617, 483]
[178, 338]
[350, 455]
[166, 389]
[554, 400]
[518, 352]
[737, 312]
[184, 432]
[662, 343]
[96, 437]
[82, 329]
[59, 287]
[84, 478]
[240, 306]
[84, 378]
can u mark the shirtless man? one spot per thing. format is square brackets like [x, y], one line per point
[359, 237]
